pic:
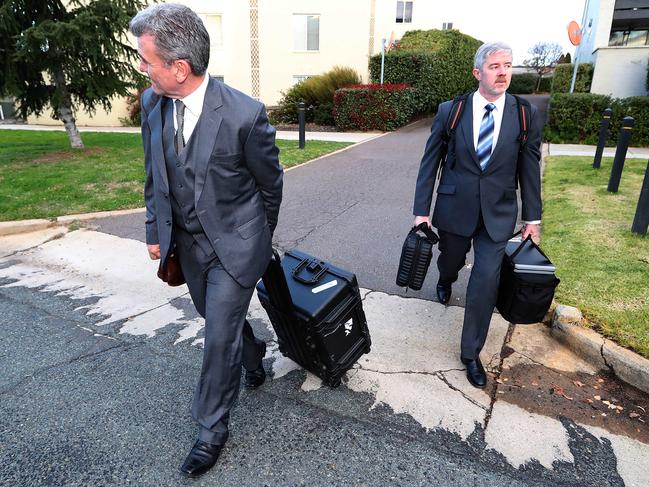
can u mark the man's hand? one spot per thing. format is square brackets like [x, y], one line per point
[421, 219]
[154, 251]
[531, 229]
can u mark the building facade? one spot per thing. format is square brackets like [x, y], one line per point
[616, 41]
[263, 47]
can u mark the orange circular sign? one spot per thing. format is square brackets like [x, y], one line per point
[574, 33]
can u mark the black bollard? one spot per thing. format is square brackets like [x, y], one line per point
[620, 154]
[301, 119]
[641, 220]
[603, 135]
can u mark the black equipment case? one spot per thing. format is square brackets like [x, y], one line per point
[415, 258]
[317, 313]
[527, 283]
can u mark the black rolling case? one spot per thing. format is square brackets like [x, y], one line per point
[317, 313]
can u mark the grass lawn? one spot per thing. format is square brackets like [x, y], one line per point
[41, 177]
[603, 267]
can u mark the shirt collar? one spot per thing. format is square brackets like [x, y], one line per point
[481, 101]
[194, 101]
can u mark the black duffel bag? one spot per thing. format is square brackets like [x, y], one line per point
[527, 283]
[415, 258]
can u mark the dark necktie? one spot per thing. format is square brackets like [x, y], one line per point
[486, 136]
[180, 122]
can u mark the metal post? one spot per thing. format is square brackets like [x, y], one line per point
[620, 154]
[301, 120]
[574, 72]
[603, 135]
[641, 220]
[382, 59]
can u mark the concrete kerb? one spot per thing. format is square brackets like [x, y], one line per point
[568, 328]
[25, 226]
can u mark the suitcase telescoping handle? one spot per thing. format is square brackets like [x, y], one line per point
[423, 227]
[317, 268]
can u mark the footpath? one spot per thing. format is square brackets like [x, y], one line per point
[100, 359]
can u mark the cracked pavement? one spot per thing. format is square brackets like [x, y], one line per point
[99, 361]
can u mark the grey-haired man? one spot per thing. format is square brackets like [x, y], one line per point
[213, 190]
[476, 196]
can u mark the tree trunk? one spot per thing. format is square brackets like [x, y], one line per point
[538, 84]
[64, 111]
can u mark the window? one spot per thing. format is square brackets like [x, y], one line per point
[628, 38]
[404, 12]
[212, 23]
[447, 25]
[306, 32]
[300, 77]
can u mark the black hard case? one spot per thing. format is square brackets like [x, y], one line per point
[324, 332]
[524, 297]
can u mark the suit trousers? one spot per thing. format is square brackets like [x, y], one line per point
[229, 339]
[482, 290]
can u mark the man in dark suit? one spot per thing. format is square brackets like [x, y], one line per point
[213, 190]
[476, 196]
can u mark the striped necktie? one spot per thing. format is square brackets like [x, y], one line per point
[180, 121]
[486, 137]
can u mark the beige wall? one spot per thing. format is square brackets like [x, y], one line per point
[607, 78]
[345, 33]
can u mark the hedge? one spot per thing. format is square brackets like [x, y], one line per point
[373, 107]
[523, 84]
[576, 118]
[317, 93]
[563, 77]
[437, 64]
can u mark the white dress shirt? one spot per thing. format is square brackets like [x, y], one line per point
[193, 109]
[479, 103]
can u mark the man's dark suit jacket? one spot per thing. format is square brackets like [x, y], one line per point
[465, 190]
[238, 185]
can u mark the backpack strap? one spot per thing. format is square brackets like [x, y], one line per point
[454, 117]
[523, 108]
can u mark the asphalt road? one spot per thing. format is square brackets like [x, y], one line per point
[84, 404]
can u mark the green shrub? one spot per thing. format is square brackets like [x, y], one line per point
[546, 85]
[563, 77]
[373, 107]
[576, 118]
[437, 64]
[317, 92]
[523, 84]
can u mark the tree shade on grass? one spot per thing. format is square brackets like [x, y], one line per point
[604, 268]
[41, 177]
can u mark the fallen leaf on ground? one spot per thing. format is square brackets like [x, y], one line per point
[599, 398]
[560, 391]
[577, 383]
[600, 380]
[634, 415]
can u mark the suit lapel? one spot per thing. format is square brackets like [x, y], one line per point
[508, 128]
[466, 127]
[157, 151]
[206, 132]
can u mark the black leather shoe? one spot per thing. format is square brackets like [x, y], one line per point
[443, 292]
[475, 373]
[201, 458]
[254, 378]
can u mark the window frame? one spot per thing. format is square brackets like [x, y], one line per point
[306, 32]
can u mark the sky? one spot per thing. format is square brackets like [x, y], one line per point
[521, 23]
